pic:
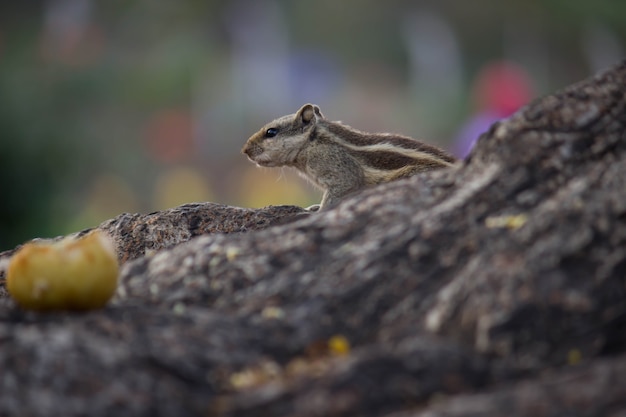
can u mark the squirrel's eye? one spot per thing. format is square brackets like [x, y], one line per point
[271, 132]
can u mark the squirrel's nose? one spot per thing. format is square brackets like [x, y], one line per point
[250, 149]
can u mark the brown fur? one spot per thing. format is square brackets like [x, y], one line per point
[359, 138]
[338, 158]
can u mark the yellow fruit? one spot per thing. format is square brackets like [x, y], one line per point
[72, 274]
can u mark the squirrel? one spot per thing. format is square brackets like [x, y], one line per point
[338, 158]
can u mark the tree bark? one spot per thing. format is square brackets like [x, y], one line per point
[497, 287]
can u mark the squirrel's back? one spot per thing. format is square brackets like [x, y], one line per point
[385, 156]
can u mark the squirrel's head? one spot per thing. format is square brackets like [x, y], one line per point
[279, 142]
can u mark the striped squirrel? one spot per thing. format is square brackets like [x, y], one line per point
[337, 158]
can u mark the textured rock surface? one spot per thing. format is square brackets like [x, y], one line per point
[494, 288]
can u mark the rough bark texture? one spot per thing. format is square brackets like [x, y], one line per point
[494, 288]
[136, 235]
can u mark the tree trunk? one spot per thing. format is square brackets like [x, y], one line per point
[497, 287]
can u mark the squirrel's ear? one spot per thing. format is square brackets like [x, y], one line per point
[308, 113]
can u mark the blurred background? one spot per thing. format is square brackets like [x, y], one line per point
[134, 106]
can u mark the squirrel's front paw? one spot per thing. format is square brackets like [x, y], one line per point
[313, 208]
